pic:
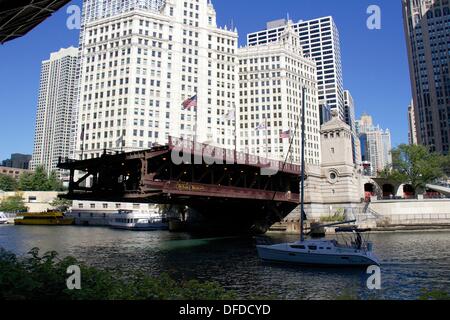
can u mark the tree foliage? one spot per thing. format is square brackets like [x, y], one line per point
[13, 204]
[415, 165]
[61, 204]
[40, 181]
[44, 278]
[7, 183]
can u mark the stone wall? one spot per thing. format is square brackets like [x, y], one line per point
[408, 212]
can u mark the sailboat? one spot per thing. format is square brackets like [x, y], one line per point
[357, 252]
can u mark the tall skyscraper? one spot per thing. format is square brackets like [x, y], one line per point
[54, 112]
[271, 78]
[349, 110]
[319, 39]
[412, 132]
[375, 145]
[427, 31]
[140, 60]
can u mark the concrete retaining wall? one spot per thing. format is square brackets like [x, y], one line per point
[417, 212]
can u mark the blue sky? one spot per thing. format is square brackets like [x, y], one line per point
[375, 66]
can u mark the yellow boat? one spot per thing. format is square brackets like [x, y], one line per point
[44, 219]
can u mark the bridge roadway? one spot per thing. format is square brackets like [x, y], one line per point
[226, 191]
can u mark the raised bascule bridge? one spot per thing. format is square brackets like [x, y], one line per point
[225, 190]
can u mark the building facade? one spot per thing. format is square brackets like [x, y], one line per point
[375, 146]
[18, 161]
[349, 110]
[350, 119]
[140, 60]
[412, 131]
[54, 112]
[271, 78]
[427, 30]
[320, 40]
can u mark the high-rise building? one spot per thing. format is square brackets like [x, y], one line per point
[54, 112]
[427, 31]
[375, 145]
[412, 132]
[140, 60]
[325, 114]
[319, 39]
[271, 78]
[349, 110]
[17, 161]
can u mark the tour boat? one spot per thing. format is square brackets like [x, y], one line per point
[51, 218]
[138, 221]
[320, 252]
[3, 218]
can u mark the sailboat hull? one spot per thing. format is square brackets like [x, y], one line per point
[271, 254]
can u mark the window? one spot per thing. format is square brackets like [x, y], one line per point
[312, 247]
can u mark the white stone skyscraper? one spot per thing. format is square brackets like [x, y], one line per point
[140, 60]
[320, 40]
[271, 78]
[54, 113]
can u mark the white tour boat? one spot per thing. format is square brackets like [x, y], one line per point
[320, 252]
[138, 221]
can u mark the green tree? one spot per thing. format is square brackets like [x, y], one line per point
[415, 165]
[26, 182]
[13, 204]
[7, 183]
[61, 204]
[54, 183]
[40, 181]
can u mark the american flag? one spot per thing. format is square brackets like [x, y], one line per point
[285, 134]
[230, 116]
[261, 126]
[82, 133]
[190, 103]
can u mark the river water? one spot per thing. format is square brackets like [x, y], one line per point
[411, 261]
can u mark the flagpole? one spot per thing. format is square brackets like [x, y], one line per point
[196, 125]
[267, 139]
[235, 128]
[302, 182]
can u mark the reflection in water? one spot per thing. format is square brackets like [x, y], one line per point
[410, 261]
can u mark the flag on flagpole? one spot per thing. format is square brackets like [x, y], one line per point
[119, 142]
[230, 115]
[262, 126]
[190, 103]
[82, 133]
[285, 134]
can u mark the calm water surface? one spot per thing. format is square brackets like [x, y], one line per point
[410, 261]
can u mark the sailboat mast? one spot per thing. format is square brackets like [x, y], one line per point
[302, 182]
